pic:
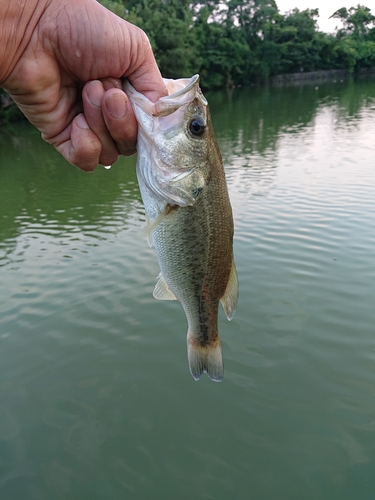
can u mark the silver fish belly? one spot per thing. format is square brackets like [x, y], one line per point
[183, 187]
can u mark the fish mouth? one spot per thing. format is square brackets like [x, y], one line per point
[175, 99]
[180, 93]
[194, 80]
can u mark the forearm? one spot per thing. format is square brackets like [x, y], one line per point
[18, 20]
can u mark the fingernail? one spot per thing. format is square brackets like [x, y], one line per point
[81, 122]
[116, 105]
[95, 93]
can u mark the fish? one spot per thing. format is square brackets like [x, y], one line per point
[189, 216]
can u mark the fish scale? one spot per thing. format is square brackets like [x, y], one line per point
[183, 187]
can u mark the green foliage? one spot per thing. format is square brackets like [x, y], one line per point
[346, 53]
[355, 42]
[115, 6]
[236, 42]
[223, 53]
[168, 24]
[356, 21]
[295, 37]
[366, 54]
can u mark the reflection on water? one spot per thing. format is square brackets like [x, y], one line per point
[96, 400]
[43, 198]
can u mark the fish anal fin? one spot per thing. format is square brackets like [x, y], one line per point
[162, 291]
[205, 359]
[230, 297]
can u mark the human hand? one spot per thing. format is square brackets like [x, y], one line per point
[67, 79]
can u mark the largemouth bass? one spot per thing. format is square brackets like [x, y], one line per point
[183, 187]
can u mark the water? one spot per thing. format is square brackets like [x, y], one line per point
[96, 399]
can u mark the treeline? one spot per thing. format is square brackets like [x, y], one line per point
[239, 42]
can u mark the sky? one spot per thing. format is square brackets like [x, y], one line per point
[326, 9]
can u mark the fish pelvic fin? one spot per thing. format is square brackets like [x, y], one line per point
[205, 359]
[162, 291]
[230, 297]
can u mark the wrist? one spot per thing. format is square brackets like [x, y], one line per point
[18, 21]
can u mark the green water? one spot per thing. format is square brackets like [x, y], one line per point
[96, 399]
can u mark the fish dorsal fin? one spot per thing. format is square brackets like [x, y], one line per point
[161, 290]
[230, 297]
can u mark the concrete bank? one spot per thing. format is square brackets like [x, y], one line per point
[315, 76]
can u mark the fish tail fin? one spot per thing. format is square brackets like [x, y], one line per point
[205, 359]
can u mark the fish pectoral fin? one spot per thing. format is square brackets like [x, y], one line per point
[150, 226]
[205, 359]
[162, 291]
[230, 297]
[147, 230]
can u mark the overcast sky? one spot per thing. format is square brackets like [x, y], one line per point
[326, 9]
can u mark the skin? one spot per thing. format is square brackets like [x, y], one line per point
[62, 61]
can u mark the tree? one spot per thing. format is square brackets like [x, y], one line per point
[223, 50]
[355, 47]
[246, 22]
[168, 24]
[252, 17]
[295, 37]
[356, 21]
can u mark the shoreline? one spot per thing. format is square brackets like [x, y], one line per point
[7, 107]
[316, 76]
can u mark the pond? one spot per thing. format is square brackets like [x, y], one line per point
[96, 398]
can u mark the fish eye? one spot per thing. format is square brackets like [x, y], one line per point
[197, 127]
